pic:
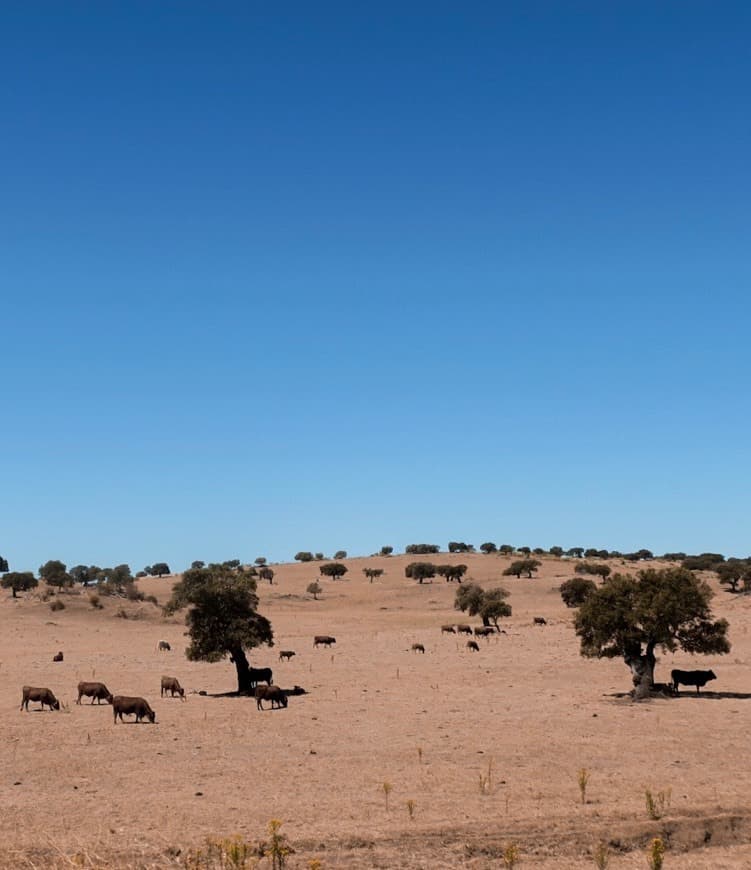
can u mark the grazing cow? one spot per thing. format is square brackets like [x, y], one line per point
[96, 691]
[539, 620]
[260, 675]
[172, 685]
[58, 657]
[270, 693]
[44, 696]
[121, 704]
[323, 639]
[691, 678]
[448, 629]
[472, 646]
[286, 654]
[464, 629]
[484, 631]
[418, 647]
[163, 646]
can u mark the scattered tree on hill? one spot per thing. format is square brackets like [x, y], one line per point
[506, 549]
[80, 574]
[422, 549]
[575, 591]
[630, 617]
[159, 569]
[638, 556]
[387, 551]
[732, 572]
[525, 550]
[451, 572]
[141, 574]
[197, 565]
[372, 573]
[304, 556]
[420, 571]
[222, 618]
[490, 605]
[575, 552]
[261, 561]
[522, 566]
[335, 570]
[3, 565]
[314, 589]
[340, 554]
[55, 573]
[319, 557]
[673, 557]
[19, 581]
[234, 564]
[592, 553]
[592, 568]
[556, 551]
[460, 547]
[266, 574]
[488, 547]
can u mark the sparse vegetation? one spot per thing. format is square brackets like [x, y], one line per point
[411, 808]
[19, 581]
[601, 856]
[335, 570]
[490, 605]
[386, 788]
[658, 803]
[420, 571]
[511, 855]
[575, 591]
[598, 569]
[522, 566]
[656, 854]
[583, 780]
[372, 573]
[278, 848]
[57, 604]
[421, 549]
[95, 601]
[314, 589]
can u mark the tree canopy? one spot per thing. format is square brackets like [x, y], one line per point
[595, 568]
[632, 616]
[576, 590]
[451, 572]
[422, 549]
[420, 571]
[488, 547]
[3, 565]
[522, 566]
[335, 570]
[19, 581]
[222, 618]
[304, 556]
[490, 605]
[372, 573]
[55, 573]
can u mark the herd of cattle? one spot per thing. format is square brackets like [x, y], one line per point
[140, 708]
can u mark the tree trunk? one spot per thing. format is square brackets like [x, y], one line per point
[242, 666]
[643, 666]
[14, 591]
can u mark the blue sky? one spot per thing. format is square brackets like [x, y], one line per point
[316, 276]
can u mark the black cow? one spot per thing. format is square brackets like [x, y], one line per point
[163, 646]
[472, 646]
[691, 678]
[270, 693]
[260, 675]
[539, 620]
[418, 647]
[132, 706]
[323, 639]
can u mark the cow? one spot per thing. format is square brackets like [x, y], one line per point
[464, 629]
[286, 654]
[270, 693]
[58, 657]
[121, 704]
[44, 696]
[472, 646]
[260, 675]
[539, 620]
[448, 629]
[172, 685]
[163, 646]
[691, 678]
[418, 647]
[484, 630]
[94, 691]
[323, 639]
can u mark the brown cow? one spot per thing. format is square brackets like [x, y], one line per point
[472, 646]
[418, 647]
[132, 706]
[448, 629]
[94, 690]
[286, 654]
[274, 694]
[539, 620]
[171, 684]
[44, 696]
[163, 646]
[464, 629]
[324, 639]
[58, 657]
[484, 631]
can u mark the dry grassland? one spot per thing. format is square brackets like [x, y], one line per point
[487, 746]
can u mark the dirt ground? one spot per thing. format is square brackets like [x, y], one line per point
[524, 715]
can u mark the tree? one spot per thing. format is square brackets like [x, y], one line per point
[159, 569]
[335, 570]
[420, 571]
[422, 549]
[556, 551]
[372, 573]
[261, 561]
[55, 573]
[576, 590]
[19, 581]
[703, 562]
[575, 552]
[3, 565]
[488, 547]
[591, 553]
[222, 618]
[80, 574]
[673, 557]
[525, 550]
[732, 572]
[489, 605]
[451, 572]
[304, 556]
[197, 565]
[630, 617]
[319, 557]
[592, 568]
[267, 574]
[314, 589]
[230, 563]
[340, 554]
[506, 549]
[460, 547]
[387, 551]
[522, 566]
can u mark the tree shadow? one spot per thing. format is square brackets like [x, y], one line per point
[296, 690]
[735, 696]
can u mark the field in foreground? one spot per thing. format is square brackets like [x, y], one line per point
[526, 709]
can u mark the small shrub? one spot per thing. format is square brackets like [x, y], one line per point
[583, 780]
[95, 601]
[133, 593]
[411, 808]
[656, 854]
[601, 856]
[657, 804]
[386, 787]
[486, 779]
[227, 853]
[510, 855]
[122, 613]
[57, 605]
[278, 846]
[152, 600]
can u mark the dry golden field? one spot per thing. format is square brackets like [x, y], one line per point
[525, 715]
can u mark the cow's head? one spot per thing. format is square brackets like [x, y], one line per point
[152, 716]
[55, 704]
[711, 675]
[109, 698]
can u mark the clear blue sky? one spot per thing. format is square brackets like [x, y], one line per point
[339, 275]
